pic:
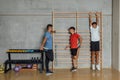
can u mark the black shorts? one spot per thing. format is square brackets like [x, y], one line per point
[74, 51]
[95, 46]
[49, 54]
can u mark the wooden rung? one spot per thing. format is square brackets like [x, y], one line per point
[67, 44]
[84, 62]
[78, 31]
[65, 34]
[73, 16]
[70, 55]
[69, 52]
[80, 49]
[71, 62]
[67, 41]
[70, 58]
[67, 37]
[84, 59]
[61, 39]
[84, 54]
[69, 34]
[58, 31]
[87, 16]
[64, 17]
[74, 13]
[84, 43]
[64, 13]
[86, 13]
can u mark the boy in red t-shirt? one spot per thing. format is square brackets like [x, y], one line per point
[75, 39]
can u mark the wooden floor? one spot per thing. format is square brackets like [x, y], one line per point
[63, 74]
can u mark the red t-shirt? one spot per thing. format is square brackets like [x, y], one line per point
[74, 40]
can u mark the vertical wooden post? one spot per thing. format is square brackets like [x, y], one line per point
[76, 22]
[53, 40]
[101, 45]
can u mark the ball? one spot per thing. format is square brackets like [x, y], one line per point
[16, 69]
[29, 66]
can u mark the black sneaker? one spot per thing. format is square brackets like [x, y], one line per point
[49, 73]
[73, 69]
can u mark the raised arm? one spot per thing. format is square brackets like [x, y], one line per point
[97, 19]
[90, 19]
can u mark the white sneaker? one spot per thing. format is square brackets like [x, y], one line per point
[48, 74]
[93, 66]
[98, 67]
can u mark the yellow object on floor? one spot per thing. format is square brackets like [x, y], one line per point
[1, 68]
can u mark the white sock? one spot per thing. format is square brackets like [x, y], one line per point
[98, 66]
[93, 66]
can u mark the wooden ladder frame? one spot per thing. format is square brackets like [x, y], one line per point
[77, 15]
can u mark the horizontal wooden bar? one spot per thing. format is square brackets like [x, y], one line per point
[85, 52]
[70, 58]
[75, 12]
[61, 54]
[74, 17]
[69, 34]
[79, 59]
[64, 13]
[64, 17]
[67, 31]
[71, 62]
[79, 31]
[67, 40]
[67, 44]
[80, 48]
[107, 15]
[82, 37]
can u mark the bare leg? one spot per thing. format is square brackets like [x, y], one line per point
[77, 56]
[97, 57]
[74, 61]
[97, 60]
[93, 60]
[93, 57]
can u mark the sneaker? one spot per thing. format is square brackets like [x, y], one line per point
[98, 67]
[49, 73]
[93, 66]
[73, 69]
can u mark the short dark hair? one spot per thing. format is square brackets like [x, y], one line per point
[49, 25]
[94, 23]
[72, 28]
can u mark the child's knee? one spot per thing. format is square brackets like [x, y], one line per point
[75, 57]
